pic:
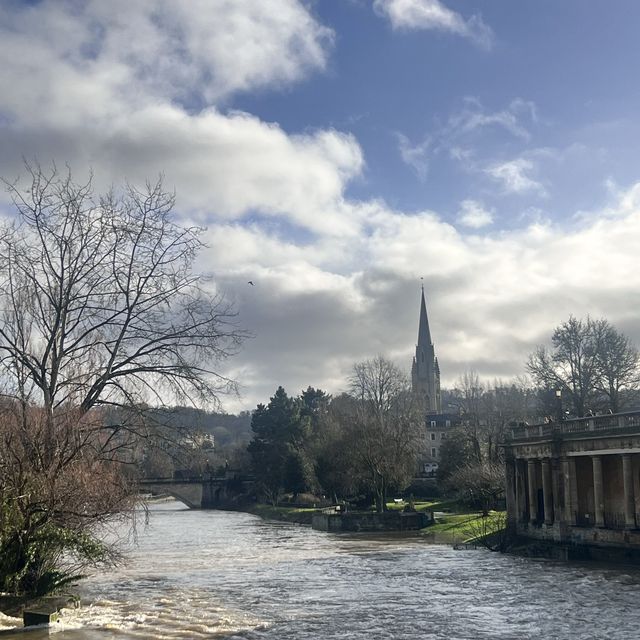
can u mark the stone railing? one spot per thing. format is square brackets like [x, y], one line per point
[608, 422]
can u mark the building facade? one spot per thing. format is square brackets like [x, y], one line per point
[576, 482]
[425, 372]
[438, 427]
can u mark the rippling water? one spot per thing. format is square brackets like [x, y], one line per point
[213, 574]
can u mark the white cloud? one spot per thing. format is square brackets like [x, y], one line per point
[415, 156]
[460, 134]
[514, 175]
[473, 117]
[102, 85]
[318, 308]
[336, 280]
[473, 214]
[83, 54]
[432, 14]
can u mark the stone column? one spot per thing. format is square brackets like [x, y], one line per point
[573, 482]
[546, 491]
[569, 507]
[629, 499]
[598, 493]
[533, 491]
[518, 488]
[521, 490]
[511, 492]
[557, 489]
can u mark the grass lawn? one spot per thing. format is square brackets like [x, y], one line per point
[454, 522]
[464, 527]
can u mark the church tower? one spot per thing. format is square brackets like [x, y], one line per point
[425, 371]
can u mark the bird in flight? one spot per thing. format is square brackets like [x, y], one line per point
[251, 283]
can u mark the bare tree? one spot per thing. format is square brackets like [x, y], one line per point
[480, 484]
[617, 363]
[470, 392]
[590, 360]
[504, 404]
[100, 308]
[387, 428]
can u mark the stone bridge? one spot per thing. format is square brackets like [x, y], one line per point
[201, 492]
[576, 481]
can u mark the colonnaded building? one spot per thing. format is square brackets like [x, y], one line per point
[577, 482]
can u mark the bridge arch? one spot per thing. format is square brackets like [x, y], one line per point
[189, 493]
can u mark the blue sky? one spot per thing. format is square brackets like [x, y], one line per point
[339, 150]
[553, 87]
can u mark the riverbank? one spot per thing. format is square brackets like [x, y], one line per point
[453, 525]
[296, 515]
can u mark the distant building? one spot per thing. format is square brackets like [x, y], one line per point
[438, 428]
[425, 372]
[425, 382]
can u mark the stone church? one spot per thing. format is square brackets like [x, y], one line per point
[425, 372]
[425, 382]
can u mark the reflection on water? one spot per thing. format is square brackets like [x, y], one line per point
[204, 574]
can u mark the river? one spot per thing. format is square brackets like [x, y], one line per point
[215, 574]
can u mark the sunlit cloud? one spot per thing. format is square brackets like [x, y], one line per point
[515, 176]
[433, 15]
[473, 214]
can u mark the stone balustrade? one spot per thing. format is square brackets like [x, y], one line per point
[608, 422]
[576, 481]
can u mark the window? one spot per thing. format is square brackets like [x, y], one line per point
[447, 423]
[433, 436]
[443, 436]
[433, 423]
[434, 452]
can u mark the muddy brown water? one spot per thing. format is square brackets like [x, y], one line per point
[214, 574]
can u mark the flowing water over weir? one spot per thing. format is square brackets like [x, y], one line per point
[214, 574]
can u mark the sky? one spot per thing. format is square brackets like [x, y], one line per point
[341, 153]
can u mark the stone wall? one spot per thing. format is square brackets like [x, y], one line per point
[368, 521]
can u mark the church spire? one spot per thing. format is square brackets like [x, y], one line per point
[424, 335]
[425, 370]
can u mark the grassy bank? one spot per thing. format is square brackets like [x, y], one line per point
[454, 523]
[297, 515]
[456, 528]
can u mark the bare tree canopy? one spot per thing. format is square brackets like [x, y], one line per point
[100, 302]
[591, 363]
[100, 307]
[387, 428]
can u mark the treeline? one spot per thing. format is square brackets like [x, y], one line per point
[187, 439]
[366, 442]
[371, 440]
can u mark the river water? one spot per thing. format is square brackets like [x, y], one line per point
[215, 574]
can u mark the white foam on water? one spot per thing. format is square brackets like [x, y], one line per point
[188, 615]
[9, 622]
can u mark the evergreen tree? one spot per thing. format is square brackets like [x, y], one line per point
[279, 458]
